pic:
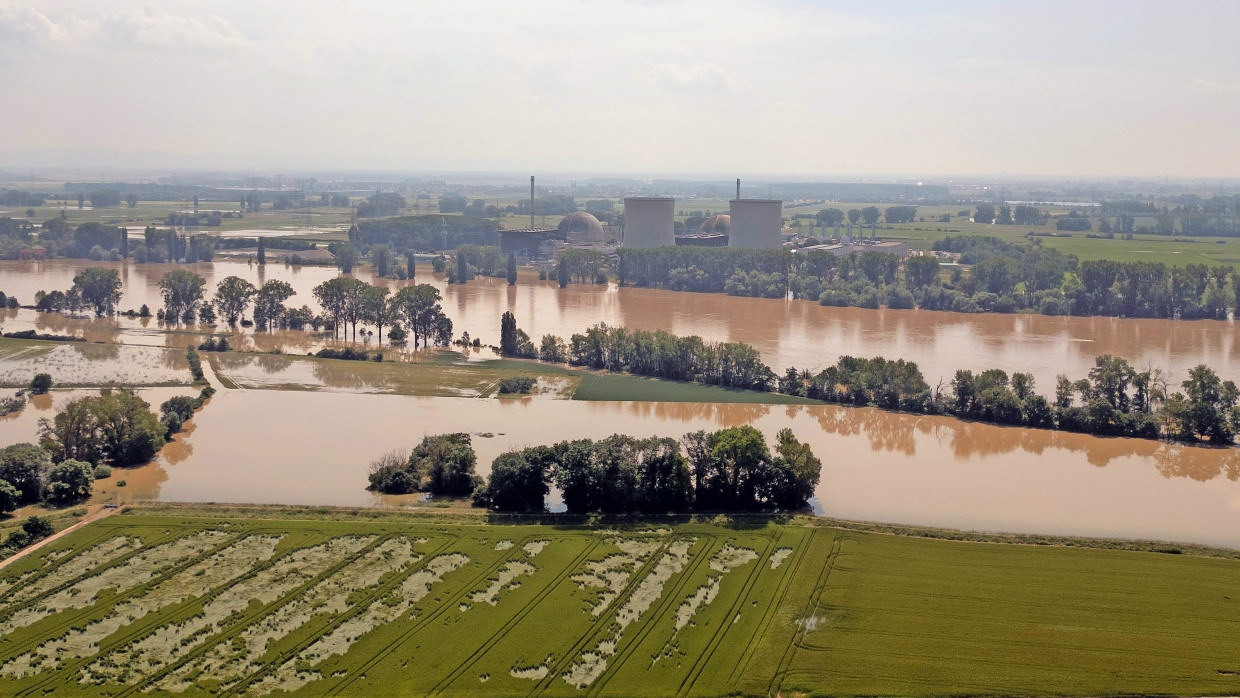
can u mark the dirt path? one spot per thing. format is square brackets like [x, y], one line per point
[101, 512]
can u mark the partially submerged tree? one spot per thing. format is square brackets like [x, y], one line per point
[99, 288]
[232, 297]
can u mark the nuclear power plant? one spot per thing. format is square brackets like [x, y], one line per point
[755, 223]
[649, 221]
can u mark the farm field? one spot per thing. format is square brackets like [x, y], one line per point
[446, 374]
[181, 601]
[81, 364]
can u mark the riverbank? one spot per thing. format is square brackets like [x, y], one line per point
[259, 599]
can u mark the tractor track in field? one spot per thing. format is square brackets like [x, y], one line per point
[810, 607]
[717, 637]
[243, 684]
[240, 623]
[443, 607]
[512, 623]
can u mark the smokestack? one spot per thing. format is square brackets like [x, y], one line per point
[738, 187]
[531, 201]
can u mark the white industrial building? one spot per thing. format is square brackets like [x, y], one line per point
[649, 221]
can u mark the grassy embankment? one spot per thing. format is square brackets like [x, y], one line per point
[447, 374]
[422, 604]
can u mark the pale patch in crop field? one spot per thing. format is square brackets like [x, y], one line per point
[778, 557]
[196, 580]
[533, 673]
[591, 665]
[133, 572]
[609, 575]
[88, 560]
[505, 579]
[534, 547]
[228, 662]
[379, 612]
[170, 642]
[503, 545]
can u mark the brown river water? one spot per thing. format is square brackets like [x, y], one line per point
[877, 466]
[788, 333]
[269, 446]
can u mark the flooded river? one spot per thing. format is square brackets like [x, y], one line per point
[270, 446]
[877, 466]
[788, 333]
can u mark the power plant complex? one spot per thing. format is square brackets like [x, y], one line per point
[754, 223]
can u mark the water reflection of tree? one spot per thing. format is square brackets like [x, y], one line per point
[726, 414]
[92, 329]
[96, 352]
[338, 374]
[1200, 463]
[273, 363]
[886, 431]
[891, 431]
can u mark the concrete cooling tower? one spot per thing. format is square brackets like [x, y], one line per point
[756, 222]
[648, 222]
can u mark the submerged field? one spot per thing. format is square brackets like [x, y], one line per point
[182, 602]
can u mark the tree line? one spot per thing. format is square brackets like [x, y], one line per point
[658, 354]
[994, 275]
[1114, 399]
[731, 469]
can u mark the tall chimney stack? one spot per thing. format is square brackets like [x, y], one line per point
[531, 201]
[738, 187]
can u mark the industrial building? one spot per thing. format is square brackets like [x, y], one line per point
[844, 249]
[649, 221]
[755, 223]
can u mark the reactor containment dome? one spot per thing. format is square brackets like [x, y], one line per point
[581, 227]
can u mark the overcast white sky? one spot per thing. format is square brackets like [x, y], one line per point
[719, 86]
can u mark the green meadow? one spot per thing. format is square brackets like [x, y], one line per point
[227, 601]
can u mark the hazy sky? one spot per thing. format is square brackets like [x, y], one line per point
[646, 86]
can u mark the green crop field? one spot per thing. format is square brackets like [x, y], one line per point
[205, 601]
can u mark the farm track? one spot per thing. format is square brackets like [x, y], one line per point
[791, 567]
[103, 512]
[499, 634]
[379, 592]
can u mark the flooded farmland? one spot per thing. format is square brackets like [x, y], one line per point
[274, 442]
[788, 333]
[267, 446]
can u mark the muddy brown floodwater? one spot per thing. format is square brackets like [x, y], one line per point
[788, 333]
[262, 446]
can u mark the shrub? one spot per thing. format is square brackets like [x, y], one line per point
[195, 365]
[103, 472]
[41, 384]
[516, 385]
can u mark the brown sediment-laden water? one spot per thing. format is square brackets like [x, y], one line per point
[268, 446]
[285, 447]
[787, 332]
